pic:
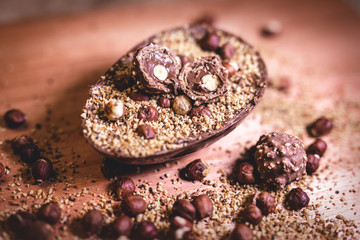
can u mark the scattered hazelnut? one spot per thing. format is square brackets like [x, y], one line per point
[209, 42]
[318, 147]
[133, 205]
[206, 19]
[145, 231]
[271, 28]
[160, 72]
[252, 214]
[123, 187]
[231, 67]
[297, 199]
[242, 232]
[92, 221]
[266, 202]
[284, 84]
[184, 59]
[312, 164]
[185, 209]
[137, 96]
[227, 51]
[164, 102]
[123, 226]
[146, 131]
[245, 173]
[42, 169]
[148, 113]
[2, 169]
[179, 222]
[14, 118]
[200, 111]
[182, 104]
[210, 82]
[196, 170]
[320, 127]
[39, 230]
[203, 205]
[29, 153]
[19, 221]
[50, 213]
[19, 142]
[114, 109]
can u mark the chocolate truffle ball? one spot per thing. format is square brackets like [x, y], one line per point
[280, 158]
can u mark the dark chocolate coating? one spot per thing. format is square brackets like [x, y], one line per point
[280, 158]
[192, 75]
[145, 61]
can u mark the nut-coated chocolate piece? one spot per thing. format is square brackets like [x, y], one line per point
[133, 205]
[203, 205]
[19, 142]
[145, 231]
[185, 209]
[297, 199]
[320, 127]
[204, 79]
[280, 158]
[29, 153]
[146, 131]
[14, 118]
[318, 147]
[312, 164]
[156, 69]
[182, 105]
[114, 109]
[252, 214]
[210, 41]
[19, 221]
[92, 221]
[148, 113]
[200, 111]
[266, 202]
[242, 232]
[124, 186]
[2, 169]
[122, 226]
[42, 169]
[138, 96]
[39, 230]
[50, 213]
[227, 51]
[245, 173]
[196, 170]
[164, 102]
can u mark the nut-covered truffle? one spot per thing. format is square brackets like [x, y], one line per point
[156, 69]
[204, 79]
[114, 109]
[280, 158]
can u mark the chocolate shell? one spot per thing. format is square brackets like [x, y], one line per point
[174, 135]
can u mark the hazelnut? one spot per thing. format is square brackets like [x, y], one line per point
[312, 163]
[184, 59]
[114, 109]
[232, 67]
[133, 205]
[50, 213]
[206, 19]
[19, 142]
[19, 221]
[210, 42]
[42, 169]
[39, 230]
[179, 222]
[266, 202]
[14, 118]
[242, 232]
[148, 113]
[297, 199]
[210, 82]
[145, 231]
[196, 170]
[182, 104]
[123, 225]
[160, 72]
[185, 209]
[318, 147]
[146, 131]
[200, 111]
[2, 169]
[137, 96]
[271, 28]
[92, 221]
[227, 51]
[284, 84]
[29, 153]
[123, 187]
[252, 214]
[245, 173]
[164, 102]
[203, 205]
[320, 127]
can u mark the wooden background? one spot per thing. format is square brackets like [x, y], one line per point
[48, 64]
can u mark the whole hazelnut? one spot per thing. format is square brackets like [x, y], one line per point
[148, 113]
[196, 170]
[114, 109]
[19, 221]
[231, 67]
[206, 19]
[242, 232]
[271, 28]
[133, 205]
[182, 105]
[145, 231]
[200, 111]
[203, 205]
[164, 102]
[210, 42]
[227, 51]
[92, 221]
[312, 164]
[245, 173]
[184, 59]
[320, 127]
[19, 142]
[318, 147]
[50, 213]
[146, 131]
[185, 209]
[29, 153]
[297, 199]
[137, 96]
[42, 169]
[123, 225]
[123, 187]
[266, 202]
[179, 222]
[14, 118]
[2, 170]
[39, 230]
[252, 214]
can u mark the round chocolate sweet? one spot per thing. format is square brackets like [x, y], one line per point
[280, 158]
[156, 69]
[204, 79]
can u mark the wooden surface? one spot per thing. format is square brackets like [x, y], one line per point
[49, 63]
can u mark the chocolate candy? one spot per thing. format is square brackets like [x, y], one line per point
[204, 79]
[156, 69]
[280, 158]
